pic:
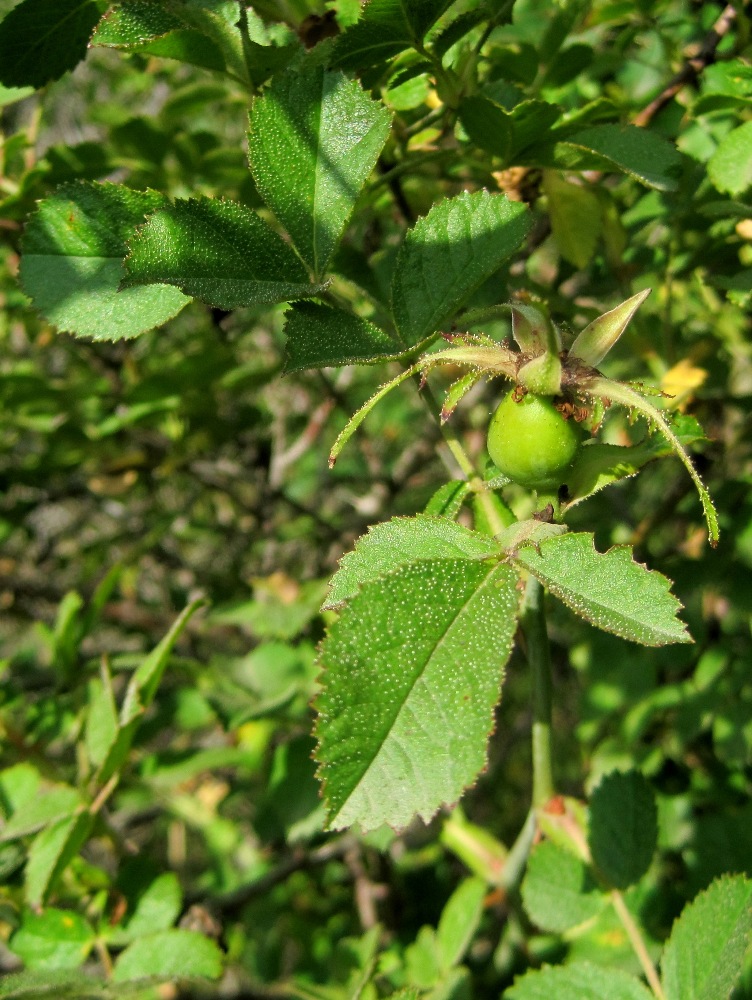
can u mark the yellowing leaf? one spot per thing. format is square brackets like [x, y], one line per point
[680, 382]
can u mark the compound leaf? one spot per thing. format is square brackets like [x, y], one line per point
[385, 28]
[608, 589]
[412, 671]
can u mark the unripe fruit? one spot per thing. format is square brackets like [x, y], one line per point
[530, 442]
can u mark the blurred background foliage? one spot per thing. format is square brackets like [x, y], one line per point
[137, 476]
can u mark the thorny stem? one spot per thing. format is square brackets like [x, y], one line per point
[539, 659]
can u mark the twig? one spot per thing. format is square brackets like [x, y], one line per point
[692, 68]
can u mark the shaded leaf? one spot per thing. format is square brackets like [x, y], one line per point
[412, 671]
[72, 262]
[608, 589]
[623, 827]
[220, 251]
[403, 540]
[314, 139]
[42, 39]
[318, 336]
[575, 213]
[385, 28]
[448, 254]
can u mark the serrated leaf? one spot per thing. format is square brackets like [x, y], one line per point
[487, 124]
[50, 853]
[72, 262]
[149, 27]
[623, 830]
[559, 891]
[219, 251]
[404, 540]
[608, 589]
[705, 952]
[314, 139]
[133, 22]
[730, 166]
[449, 253]
[412, 671]
[54, 939]
[459, 922]
[578, 981]
[42, 39]
[385, 28]
[169, 954]
[318, 336]
[642, 154]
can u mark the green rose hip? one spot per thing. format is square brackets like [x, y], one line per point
[531, 442]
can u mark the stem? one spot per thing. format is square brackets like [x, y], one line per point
[539, 658]
[636, 940]
[516, 860]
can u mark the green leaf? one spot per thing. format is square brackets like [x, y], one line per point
[404, 540]
[157, 908]
[149, 27]
[559, 891]
[575, 214]
[72, 262]
[318, 336]
[140, 693]
[487, 124]
[133, 22]
[42, 39]
[58, 802]
[638, 152]
[54, 939]
[385, 28]
[448, 499]
[219, 251]
[730, 166]
[314, 139]
[459, 922]
[578, 981]
[58, 985]
[448, 254]
[412, 671]
[608, 589]
[169, 954]
[623, 830]
[50, 853]
[705, 952]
